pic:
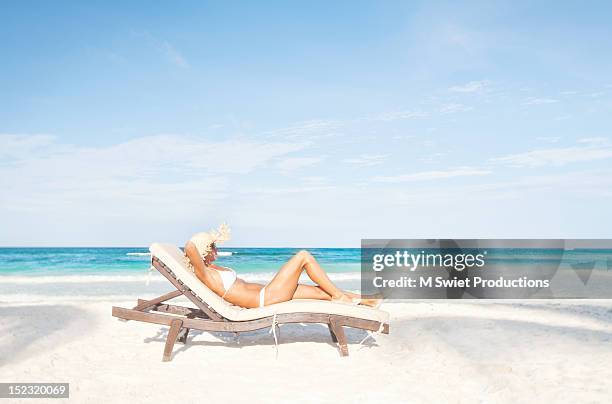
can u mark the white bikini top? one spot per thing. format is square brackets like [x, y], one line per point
[228, 278]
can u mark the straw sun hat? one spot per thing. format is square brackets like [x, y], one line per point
[204, 241]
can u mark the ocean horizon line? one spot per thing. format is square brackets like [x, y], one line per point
[147, 247]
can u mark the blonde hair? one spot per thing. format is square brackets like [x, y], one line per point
[204, 241]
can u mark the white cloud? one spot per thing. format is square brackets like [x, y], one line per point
[17, 146]
[433, 175]
[233, 156]
[315, 180]
[471, 87]
[284, 191]
[594, 149]
[164, 47]
[453, 108]
[172, 54]
[432, 157]
[539, 101]
[584, 183]
[367, 160]
[396, 115]
[594, 140]
[313, 129]
[548, 139]
[403, 137]
[295, 163]
[129, 178]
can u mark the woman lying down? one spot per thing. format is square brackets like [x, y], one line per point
[201, 253]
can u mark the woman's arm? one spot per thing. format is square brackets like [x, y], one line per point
[204, 274]
[220, 267]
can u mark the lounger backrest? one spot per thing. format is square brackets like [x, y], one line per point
[173, 257]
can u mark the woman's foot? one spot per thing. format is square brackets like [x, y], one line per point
[370, 302]
[374, 300]
[342, 298]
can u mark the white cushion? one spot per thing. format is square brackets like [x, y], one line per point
[174, 259]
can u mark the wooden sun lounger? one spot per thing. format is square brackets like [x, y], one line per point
[182, 319]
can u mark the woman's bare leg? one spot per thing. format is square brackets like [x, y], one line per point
[284, 286]
[285, 283]
[363, 297]
[314, 269]
[310, 292]
[315, 292]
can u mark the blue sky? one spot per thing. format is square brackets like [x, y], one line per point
[310, 124]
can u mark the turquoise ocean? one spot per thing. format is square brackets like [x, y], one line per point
[113, 273]
[28, 274]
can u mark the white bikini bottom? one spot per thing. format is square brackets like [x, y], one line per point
[262, 293]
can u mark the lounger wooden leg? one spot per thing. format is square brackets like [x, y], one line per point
[336, 329]
[182, 338]
[175, 327]
[331, 331]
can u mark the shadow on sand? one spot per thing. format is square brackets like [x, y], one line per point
[497, 337]
[22, 326]
[289, 333]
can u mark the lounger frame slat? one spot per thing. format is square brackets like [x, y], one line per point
[146, 304]
[188, 293]
[181, 319]
[250, 325]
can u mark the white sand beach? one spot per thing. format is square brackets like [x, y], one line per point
[437, 351]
